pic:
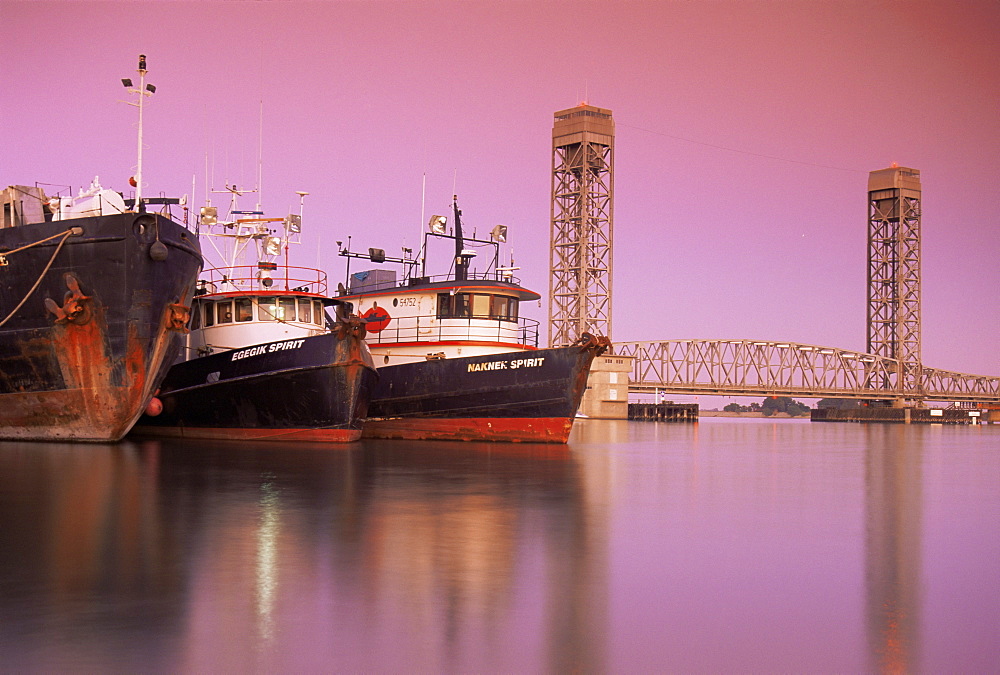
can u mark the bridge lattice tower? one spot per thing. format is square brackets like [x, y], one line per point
[894, 272]
[580, 252]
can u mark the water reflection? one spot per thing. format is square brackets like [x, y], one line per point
[893, 502]
[82, 548]
[716, 547]
[267, 556]
[277, 557]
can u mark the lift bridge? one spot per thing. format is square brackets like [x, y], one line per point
[755, 368]
[890, 370]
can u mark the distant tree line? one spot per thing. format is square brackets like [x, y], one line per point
[772, 405]
[776, 404]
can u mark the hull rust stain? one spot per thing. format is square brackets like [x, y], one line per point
[498, 429]
[101, 398]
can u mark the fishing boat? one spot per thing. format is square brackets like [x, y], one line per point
[263, 359]
[95, 294]
[455, 358]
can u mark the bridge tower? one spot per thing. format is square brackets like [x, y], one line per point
[894, 271]
[583, 140]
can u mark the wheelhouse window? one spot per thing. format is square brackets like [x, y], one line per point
[503, 307]
[444, 305]
[304, 310]
[209, 313]
[244, 309]
[318, 312]
[281, 309]
[477, 306]
[196, 316]
[267, 309]
[480, 305]
[224, 311]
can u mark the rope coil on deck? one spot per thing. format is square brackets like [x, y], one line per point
[73, 231]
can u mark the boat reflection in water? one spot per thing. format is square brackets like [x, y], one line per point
[639, 547]
[218, 555]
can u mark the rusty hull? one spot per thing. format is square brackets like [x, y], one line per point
[86, 351]
[102, 396]
[493, 429]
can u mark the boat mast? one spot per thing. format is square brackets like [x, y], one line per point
[293, 225]
[143, 91]
[422, 254]
[461, 261]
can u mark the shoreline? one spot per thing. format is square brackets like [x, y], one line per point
[723, 413]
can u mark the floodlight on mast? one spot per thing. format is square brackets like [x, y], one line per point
[499, 233]
[437, 224]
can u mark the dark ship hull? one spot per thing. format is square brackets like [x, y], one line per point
[529, 396]
[83, 355]
[307, 389]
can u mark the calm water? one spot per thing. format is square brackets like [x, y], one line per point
[731, 545]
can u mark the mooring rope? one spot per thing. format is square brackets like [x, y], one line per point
[208, 346]
[65, 235]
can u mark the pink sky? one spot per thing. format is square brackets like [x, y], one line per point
[745, 134]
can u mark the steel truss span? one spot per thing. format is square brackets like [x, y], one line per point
[766, 368]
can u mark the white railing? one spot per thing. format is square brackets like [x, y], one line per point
[430, 328]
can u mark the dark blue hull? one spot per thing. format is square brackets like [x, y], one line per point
[530, 396]
[309, 389]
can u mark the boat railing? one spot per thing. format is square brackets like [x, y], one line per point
[470, 275]
[430, 328]
[263, 277]
[371, 284]
[23, 205]
[162, 206]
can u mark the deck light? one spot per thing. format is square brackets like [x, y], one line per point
[209, 215]
[437, 224]
[265, 268]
